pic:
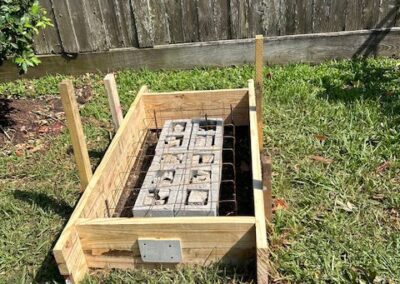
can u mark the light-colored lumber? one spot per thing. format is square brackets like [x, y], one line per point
[203, 239]
[184, 104]
[99, 186]
[267, 185]
[259, 59]
[113, 100]
[75, 128]
[259, 213]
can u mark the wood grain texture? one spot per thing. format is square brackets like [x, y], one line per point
[112, 242]
[266, 165]
[313, 48]
[113, 100]
[262, 266]
[259, 87]
[75, 128]
[48, 40]
[180, 105]
[189, 21]
[65, 25]
[144, 23]
[206, 21]
[259, 213]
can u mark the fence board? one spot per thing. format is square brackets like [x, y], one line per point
[190, 21]
[311, 48]
[144, 24]
[175, 20]
[64, 21]
[98, 25]
[48, 40]
[126, 23]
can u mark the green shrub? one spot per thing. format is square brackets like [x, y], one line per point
[20, 21]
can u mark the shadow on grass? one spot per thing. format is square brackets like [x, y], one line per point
[48, 271]
[359, 79]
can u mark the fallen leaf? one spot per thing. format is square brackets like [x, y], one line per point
[36, 148]
[321, 138]
[279, 204]
[321, 159]
[348, 206]
[378, 196]
[383, 167]
[269, 75]
[43, 129]
[19, 152]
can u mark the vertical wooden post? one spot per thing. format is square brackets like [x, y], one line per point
[266, 165]
[259, 58]
[113, 100]
[74, 124]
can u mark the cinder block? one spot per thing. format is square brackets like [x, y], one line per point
[209, 186]
[165, 161]
[152, 200]
[200, 158]
[171, 140]
[207, 134]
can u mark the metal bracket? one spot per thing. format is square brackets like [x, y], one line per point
[162, 251]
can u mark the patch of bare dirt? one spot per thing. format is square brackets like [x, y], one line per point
[23, 120]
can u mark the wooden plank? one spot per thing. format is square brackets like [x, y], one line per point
[126, 23]
[311, 48]
[76, 131]
[96, 183]
[144, 23]
[354, 14]
[179, 105]
[175, 20]
[189, 21]
[266, 166]
[66, 29]
[388, 14]
[255, 17]
[95, 32]
[221, 18]
[48, 40]
[120, 158]
[259, 87]
[290, 17]
[160, 22]
[71, 260]
[205, 15]
[271, 25]
[304, 16]
[113, 100]
[200, 239]
[259, 213]
[79, 21]
[109, 12]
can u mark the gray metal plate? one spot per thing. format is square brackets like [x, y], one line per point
[163, 251]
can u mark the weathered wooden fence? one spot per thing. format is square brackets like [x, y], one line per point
[100, 25]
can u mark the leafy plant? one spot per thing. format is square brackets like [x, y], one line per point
[20, 21]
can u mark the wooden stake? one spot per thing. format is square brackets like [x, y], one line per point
[259, 58]
[74, 124]
[113, 100]
[266, 165]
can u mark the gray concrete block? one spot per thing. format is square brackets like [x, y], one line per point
[165, 161]
[175, 136]
[158, 194]
[207, 134]
[195, 182]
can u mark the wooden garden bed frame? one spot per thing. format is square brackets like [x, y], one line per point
[90, 242]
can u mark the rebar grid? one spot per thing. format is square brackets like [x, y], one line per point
[125, 192]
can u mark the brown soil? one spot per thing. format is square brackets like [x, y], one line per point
[23, 121]
[243, 178]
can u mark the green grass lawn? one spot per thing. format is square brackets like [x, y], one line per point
[333, 131]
